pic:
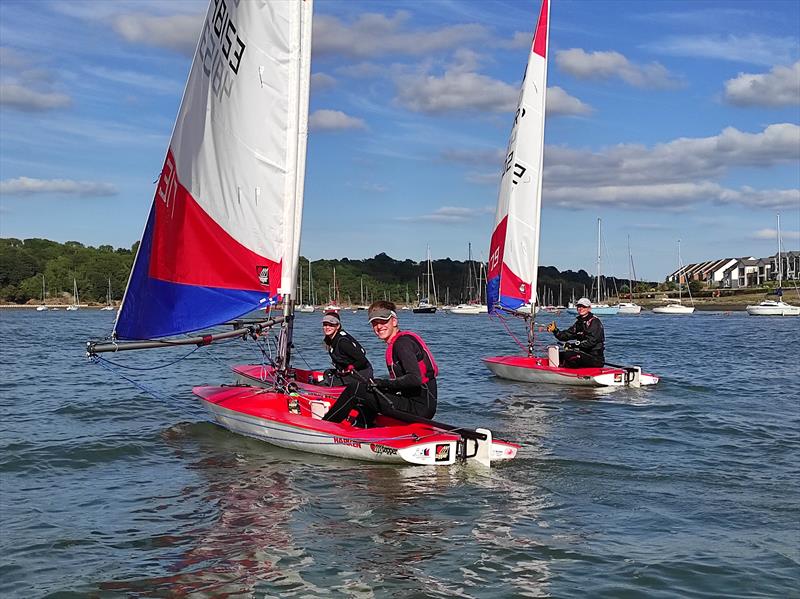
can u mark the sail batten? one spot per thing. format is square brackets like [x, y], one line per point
[514, 246]
[223, 234]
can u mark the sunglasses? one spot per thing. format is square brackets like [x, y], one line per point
[327, 324]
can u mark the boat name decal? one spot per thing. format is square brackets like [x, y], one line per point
[382, 449]
[219, 42]
[346, 441]
[442, 452]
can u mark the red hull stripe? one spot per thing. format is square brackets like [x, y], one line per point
[190, 248]
[540, 37]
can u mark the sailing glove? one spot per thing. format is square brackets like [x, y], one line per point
[552, 328]
[382, 384]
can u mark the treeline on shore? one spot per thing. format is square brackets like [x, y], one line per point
[24, 262]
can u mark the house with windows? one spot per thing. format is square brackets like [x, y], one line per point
[736, 273]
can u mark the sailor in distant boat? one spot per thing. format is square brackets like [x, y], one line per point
[411, 386]
[346, 353]
[585, 339]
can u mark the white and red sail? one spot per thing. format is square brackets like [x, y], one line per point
[514, 249]
[223, 234]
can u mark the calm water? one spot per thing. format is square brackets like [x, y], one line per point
[691, 489]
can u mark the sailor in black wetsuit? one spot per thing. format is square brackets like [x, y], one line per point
[411, 386]
[346, 353]
[588, 336]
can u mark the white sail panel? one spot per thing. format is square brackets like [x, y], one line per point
[514, 249]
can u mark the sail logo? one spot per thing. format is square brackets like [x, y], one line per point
[220, 46]
[442, 452]
[263, 275]
[167, 189]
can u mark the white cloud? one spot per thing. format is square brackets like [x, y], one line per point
[377, 35]
[173, 32]
[560, 102]
[361, 70]
[27, 87]
[750, 48]
[779, 87]
[151, 83]
[772, 234]
[449, 214]
[674, 175]
[322, 81]
[607, 65]
[455, 91]
[10, 58]
[26, 186]
[26, 99]
[334, 120]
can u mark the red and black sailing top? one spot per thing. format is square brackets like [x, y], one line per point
[412, 368]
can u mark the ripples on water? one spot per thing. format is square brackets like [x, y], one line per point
[689, 489]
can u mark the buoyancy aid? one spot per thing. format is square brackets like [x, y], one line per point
[427, 365]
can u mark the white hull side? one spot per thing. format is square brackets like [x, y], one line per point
[627, 308]
[319, 442]
[469, 309]
[297, 438]
[565, 377]
[770, 308]
[528, 375]
[674, 309]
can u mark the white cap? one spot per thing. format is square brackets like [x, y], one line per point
[584, 301]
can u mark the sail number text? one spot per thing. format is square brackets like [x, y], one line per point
[220, 47]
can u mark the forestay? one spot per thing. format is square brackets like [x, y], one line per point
[514, 249]
[223, 234]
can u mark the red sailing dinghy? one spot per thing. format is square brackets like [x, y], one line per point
[223, 239]
[514, 249]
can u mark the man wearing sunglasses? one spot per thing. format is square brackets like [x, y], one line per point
[586, 339]
[411, 386]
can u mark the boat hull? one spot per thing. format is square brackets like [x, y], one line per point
[673, 309]
[538, 370]
[627, 308]
[598, 310]
[425, 310]
[265, 415]
[469, 309]
[771, 308]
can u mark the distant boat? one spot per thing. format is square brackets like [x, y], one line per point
[677, 307]
[599, 308]
[335, 305]
[474, 305]
[776, 307]
[309, 307]
[75, 300]
[42, 307]
[425, 306]
[109, 305]
[629, 307]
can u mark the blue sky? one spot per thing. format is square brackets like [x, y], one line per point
[668, 120]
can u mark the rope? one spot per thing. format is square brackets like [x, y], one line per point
[508, 330]
[101, 360]
[107, 365]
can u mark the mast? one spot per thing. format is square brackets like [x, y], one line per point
[310, 288]
[598, 260]
[680, 268]
[293, 210]
[780, 262]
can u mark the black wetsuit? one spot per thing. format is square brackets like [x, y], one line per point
[406, 392]
[346, 354]
[588, 331]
